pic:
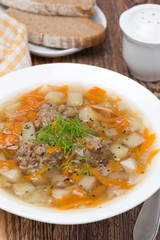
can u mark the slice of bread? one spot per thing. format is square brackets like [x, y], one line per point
[54, 7]
[58, 31]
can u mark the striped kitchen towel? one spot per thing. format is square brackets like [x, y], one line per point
[14, 53]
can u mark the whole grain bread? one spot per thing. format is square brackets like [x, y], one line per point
[58, 31]
[54, 7]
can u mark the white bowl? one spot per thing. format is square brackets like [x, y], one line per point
[141, 41]
[147, 103]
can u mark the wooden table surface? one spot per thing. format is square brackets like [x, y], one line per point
[107, 55]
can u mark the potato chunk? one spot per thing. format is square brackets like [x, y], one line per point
[3, 182]
[28, 132]
[111, 191]
[58, 180]
[133, 140]
[119, 150]
[36, 197]
[12, 175]
[85, 114]
[57, 177]
[135, 124]
[136, 178]
[129, 165]
[111, 132]
[55, 97]
[87, 183]
[58, 193]
[74, 99]
[23, 189]
[104, 171]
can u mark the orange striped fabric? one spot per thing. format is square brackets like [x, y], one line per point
[14, 53]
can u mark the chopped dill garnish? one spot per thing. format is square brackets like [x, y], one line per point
[65, 166]
[64, 133]
[85, 169]
[81, 163]
[101, 128]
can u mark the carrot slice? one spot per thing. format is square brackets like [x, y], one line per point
[69, 158]
[149, 141]
[146, 132]
[67, 197]
[11, 139]
[114, 165]
[53, 149]
[17, 128]
[71, 169]
[21, 118]
[124, 123]
[97, 90]
[65, 171]
[23, 108]
[152, 155]
[75, 177]
[94, 98]
[36, 96]
[102, 108]
[109, 181]
[8, 164]
[98, 176]
[8, 128]
[63, 88]
[75, 203]
[138, 155]
[98, 191]
[33, 176]
[140, 169]
[32, 116]
[53, 122]
[35, 90]
[32, 102]
[62, 200]
[100, 117]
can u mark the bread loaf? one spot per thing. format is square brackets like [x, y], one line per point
[54, 7]
[58, 31]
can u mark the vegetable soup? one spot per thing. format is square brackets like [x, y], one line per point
[66, 147]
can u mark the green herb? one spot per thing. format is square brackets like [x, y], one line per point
[101, 128]
[64, 134]
[65, 166]
[85, 170]
[78, 163]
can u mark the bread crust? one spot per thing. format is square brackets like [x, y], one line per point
[65, 43]
[53, 8]
[60, 32]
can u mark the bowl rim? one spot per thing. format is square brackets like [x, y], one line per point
[89, 214]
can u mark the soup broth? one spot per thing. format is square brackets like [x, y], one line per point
[65, 147]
